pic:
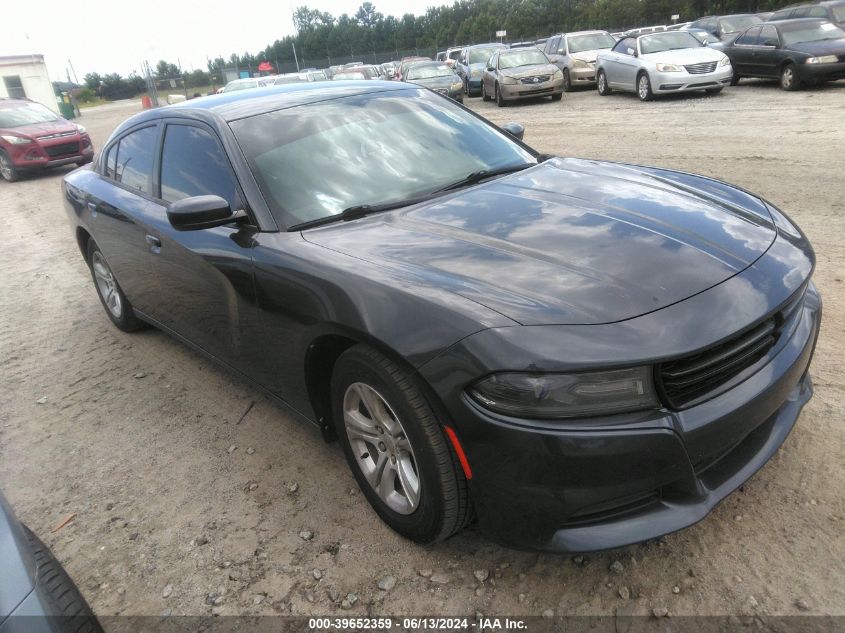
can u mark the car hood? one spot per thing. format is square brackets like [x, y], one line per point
[530, 71]
[685, 56]
[568, 241]
[824, 47]
[436, 82]
[37, 130]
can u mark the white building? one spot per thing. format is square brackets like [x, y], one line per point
[25, 76]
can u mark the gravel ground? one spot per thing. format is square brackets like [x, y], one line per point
[183, 505]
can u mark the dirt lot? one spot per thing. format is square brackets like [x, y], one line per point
[136, 433]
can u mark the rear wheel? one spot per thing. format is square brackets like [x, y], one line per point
[601, 84]
[567, 80]
[484, 95]
[115, 303]
[395, 447]
[789, 78]
[7, 168]
[644, 88]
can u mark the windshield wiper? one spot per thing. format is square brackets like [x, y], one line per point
[483, 174]
[359, 211]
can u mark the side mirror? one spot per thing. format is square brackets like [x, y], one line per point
[200, 212]
[517, 130]
[490, 68]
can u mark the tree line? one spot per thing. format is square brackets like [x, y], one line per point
[322, 38]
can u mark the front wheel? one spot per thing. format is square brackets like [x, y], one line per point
[567, 80]
[644, 88]
[557, 97]
[601, 84]
[735, 79]
[115, 303]
[7, 168]
[395, 447]
[713, 91]
[484, 95]
[500, 100]
[789, 78]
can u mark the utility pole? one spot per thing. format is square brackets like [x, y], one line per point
[75, 78]
[295, 58]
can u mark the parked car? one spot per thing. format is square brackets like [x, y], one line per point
[34, 138]
[584, 354]
[405, 63]
[352, 65]
[830, 10]
[289, 78]
[797, 52]
[662, 63]
[726, 26]
[575, 55]
[241, 84]
[522, 73]
[36, 593]
[353, 74]
[471, 64]
[389, 69]
[452, 55]
[645, 30]
[437, 76]
[707, 38]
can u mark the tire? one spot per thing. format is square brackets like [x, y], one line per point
[411, 434]
[735, 79]
[789, 79]
[644, 87]
[484, 95]
[601, 84]
[557, 97]
[500, 101]
[115, 303]
[567, 80]
[53, 577]
[714, 91]
[7, 169]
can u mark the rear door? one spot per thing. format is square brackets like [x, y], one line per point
[741, 51]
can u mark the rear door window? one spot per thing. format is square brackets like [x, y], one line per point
[750, 38]
[134, 163]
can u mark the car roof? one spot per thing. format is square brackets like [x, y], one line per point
[488, 45]
[230, 106]
[782, 23]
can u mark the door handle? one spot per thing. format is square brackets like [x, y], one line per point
[154, 243]
[92, 207]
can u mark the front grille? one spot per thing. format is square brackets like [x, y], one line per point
[64, 149]
[56, 135]
[687, 381]
[535, 80]
[702, 68]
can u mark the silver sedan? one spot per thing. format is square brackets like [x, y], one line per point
[520, 73]
[662, 63]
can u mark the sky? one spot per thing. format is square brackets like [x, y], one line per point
[118, 36]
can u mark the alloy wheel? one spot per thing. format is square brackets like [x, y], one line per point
[643, 87]
[602, 83]
[106, 285]
[5, 167]
[787, 77]
[381, 448]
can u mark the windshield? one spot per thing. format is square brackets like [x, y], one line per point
[667, 41]
[526, 57]
[453, 55]
[429, 72]
[594, 41]
[355, 75]
[317, 76]
[315, 161]
[704, 37]
[738, 23]
[795, 33]
[26, 114]
[481, 55]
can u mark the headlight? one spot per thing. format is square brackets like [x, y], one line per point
[475, 72]
[668, 68]
[725, 62]
[508, 80]
[567, 395]
[457, 86]
[558, 72]
[580, 63]
[825, 59]
[80, 128]
[15, 140]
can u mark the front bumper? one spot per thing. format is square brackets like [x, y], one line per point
[822, 72]
[43, 155]
[583, 76]
[512, 92]
[664, 83]
[611, 483]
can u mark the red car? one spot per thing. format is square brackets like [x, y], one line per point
[34, 137]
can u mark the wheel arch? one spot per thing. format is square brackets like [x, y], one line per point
[82, 239]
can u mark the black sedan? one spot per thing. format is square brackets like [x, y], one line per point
[587, 354]
[797, 52]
